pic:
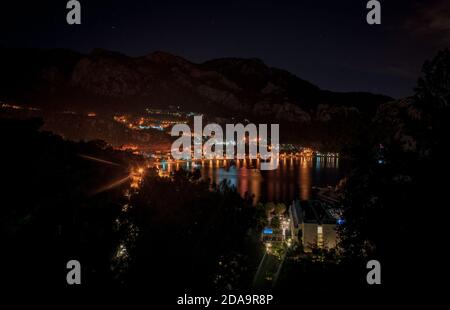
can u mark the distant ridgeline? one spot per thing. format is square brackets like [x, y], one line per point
[229, 87]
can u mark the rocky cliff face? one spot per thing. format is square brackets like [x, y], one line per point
[113, 81]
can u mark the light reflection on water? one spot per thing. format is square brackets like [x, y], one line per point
[293, 179]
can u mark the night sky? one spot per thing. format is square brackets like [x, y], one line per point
[326, 42]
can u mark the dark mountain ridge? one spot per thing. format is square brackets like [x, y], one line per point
[111, 81]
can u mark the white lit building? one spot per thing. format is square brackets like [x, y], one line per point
[313, 223]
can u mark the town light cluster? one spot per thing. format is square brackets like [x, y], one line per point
[258, 144]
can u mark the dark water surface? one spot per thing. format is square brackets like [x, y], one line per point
[293, 179]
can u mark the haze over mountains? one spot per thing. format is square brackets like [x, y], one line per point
[110, 81]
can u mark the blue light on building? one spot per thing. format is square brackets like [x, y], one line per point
[340, 221]
[268, 231]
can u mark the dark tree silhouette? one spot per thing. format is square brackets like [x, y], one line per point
[393, 195]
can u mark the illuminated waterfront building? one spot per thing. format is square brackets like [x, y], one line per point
[313, 223]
